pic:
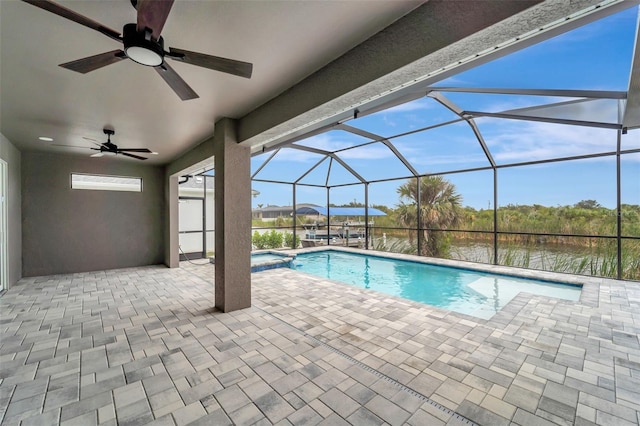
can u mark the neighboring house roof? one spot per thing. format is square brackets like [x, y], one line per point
[340, 211]
[283, 208]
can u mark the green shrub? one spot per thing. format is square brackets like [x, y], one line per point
[267, 240]
[289, 238]
[273, 239]
[259, 240]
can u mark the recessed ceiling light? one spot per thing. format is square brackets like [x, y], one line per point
[46, 139]
[154, 153]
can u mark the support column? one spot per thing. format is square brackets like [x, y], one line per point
[171, 250]
[232, 219]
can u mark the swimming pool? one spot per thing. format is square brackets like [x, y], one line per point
[470, 292]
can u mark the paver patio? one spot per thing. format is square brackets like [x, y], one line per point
[145, 345]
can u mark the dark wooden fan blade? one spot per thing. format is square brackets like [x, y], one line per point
[176, 82]
[230, 66]
[153, 14]
[134, 150]
[131, 155]
[55, 8]
[92, 63]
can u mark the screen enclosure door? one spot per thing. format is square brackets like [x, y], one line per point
[191, 228]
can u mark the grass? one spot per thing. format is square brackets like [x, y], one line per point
[598, 260]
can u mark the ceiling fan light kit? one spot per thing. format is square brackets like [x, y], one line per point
[141, 48]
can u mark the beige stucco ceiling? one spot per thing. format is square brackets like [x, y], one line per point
[285, 40]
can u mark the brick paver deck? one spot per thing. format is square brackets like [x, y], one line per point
[144, 345]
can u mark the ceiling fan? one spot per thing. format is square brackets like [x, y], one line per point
[144, 45]
[109, 148]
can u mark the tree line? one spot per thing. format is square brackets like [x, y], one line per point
[441, 209]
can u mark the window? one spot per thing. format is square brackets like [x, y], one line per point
[106, 183]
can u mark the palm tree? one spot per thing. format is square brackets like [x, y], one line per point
[440, 208]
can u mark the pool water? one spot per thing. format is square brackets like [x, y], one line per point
[476, 293]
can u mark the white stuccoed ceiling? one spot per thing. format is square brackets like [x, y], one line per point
[285, 40]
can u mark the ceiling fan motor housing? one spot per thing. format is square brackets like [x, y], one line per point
[108, 146]
[141, 48]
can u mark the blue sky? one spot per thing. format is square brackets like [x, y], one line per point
[594, 57]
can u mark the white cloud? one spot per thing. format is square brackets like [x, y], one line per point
[459, 161]
[371, 152]
[596, 110]
[462, 151]
[296, 155]
[388, 121]
[509, 102]
[411, 114]
[530, 141]
[331, 142]
[328, 142]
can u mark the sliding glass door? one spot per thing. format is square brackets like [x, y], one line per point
[4, 250]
